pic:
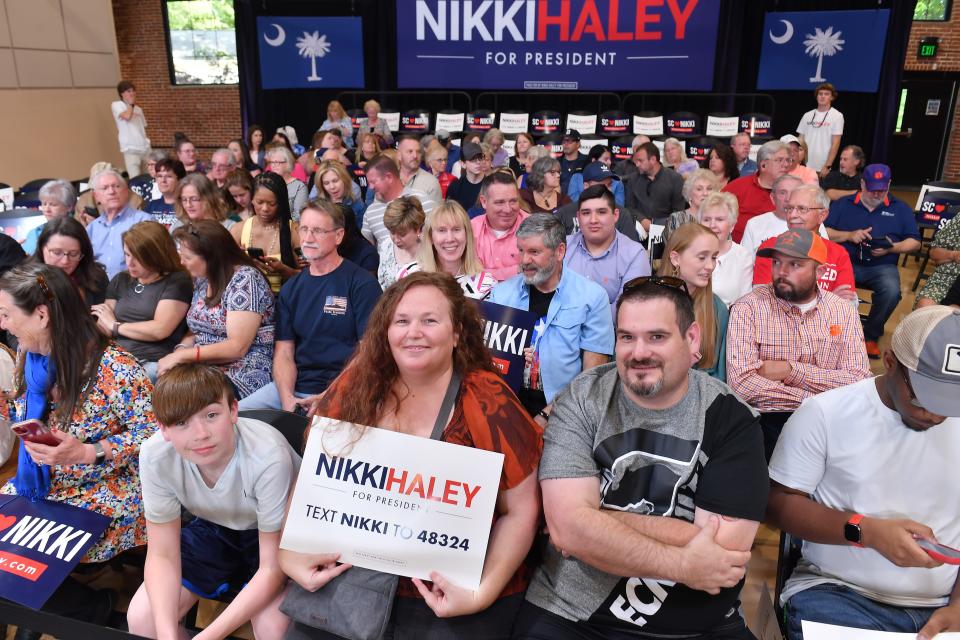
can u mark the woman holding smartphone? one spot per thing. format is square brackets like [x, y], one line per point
[270, 237]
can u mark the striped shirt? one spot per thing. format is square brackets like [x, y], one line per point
[823, 345]
[373, 229]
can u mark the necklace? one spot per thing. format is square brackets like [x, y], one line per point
[141, 285]
[273, 236]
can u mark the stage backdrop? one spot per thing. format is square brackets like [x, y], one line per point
[627, 45]
[310, 53]
[801, 49]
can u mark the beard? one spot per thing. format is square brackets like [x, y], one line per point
[791, 293]
[644, 389]
[542, 275]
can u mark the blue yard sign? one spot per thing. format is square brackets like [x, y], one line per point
[507, 332]
[801, 49]
[557, 44]
[310, 53]
[40, 544]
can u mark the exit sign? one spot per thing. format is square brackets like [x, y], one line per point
[928, 48]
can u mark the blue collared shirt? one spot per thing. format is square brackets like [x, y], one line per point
[578, 320]
[623, 260]
[893, 218]
[748, 168]
[107, 238]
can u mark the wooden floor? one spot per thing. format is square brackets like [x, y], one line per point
[763, 564]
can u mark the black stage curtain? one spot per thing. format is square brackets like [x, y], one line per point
[869, 117]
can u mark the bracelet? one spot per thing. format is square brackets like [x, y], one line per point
[197, 358]
[181, 346]
[116, 330]
[543, 414]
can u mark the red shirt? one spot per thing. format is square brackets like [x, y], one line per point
[752, 198]
[839, 271]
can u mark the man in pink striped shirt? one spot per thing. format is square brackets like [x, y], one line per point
[789, 339]
[496, 230]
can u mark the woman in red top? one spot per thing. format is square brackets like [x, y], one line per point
[421, 331]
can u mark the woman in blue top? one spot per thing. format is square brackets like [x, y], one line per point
[691, 255]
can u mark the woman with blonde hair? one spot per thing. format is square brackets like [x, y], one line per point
[403, 218]
[337, 118]
[691, 255]
[376, 125]
[676, 158]
[366, 150]
[451, 248]
[333, 183]
[733, 276]
[498, 155]
[198, 198]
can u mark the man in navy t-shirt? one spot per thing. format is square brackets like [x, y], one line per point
[875, 228]
[321, 314]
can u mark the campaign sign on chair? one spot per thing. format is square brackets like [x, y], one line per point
[17, 223]
[40, 544]
[507, 332]
[450, 120]
[393, 502]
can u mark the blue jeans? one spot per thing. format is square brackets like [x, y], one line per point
[266, 397]
[836, 604]
[884, 281]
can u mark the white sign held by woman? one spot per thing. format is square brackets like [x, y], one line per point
[393, 502]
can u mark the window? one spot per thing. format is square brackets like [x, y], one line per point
[202, 41]
[938, 10]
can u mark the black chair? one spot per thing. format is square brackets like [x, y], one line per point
[34, 185]
[291, 425]
[787, 559]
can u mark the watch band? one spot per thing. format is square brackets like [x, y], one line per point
[101, 454]
[543, 414]
[853, 525]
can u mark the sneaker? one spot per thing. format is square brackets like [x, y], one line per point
[873, 349]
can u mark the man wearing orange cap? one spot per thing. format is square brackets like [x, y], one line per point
[790, 339]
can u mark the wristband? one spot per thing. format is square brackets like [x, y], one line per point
[100, 453]
[197, 358]
[115, 332]
[543, 414]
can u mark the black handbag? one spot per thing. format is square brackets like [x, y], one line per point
[357, 604]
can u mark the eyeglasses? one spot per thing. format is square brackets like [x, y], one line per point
[801, 210]
[317, 231]
[60, 253]
[276, 162]
[670, 282]
[190, 200]
[220, 165]
[910, 391]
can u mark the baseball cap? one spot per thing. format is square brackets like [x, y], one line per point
[927, 343]
[443, 134]
[596, 171]
[787, 139]
[573, 134]
[799, 243]
[876, 177]
[471, 150]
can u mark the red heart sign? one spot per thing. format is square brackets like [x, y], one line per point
[7, 521]
[939, 207]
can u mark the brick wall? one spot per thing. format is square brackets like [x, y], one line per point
[209, 115]
[947, 60]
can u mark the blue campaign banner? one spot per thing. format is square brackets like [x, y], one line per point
[507, 332]
[310, 53]
[623, 45]
[801, 49]
[17, 223]
[40, 544]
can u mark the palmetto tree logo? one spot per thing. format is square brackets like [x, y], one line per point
[822, 43]
[313, 46]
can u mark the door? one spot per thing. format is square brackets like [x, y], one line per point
[919, 142]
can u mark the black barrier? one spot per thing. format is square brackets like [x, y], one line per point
[408, 100]
[589, 101]
[58, 626]
[701, 103]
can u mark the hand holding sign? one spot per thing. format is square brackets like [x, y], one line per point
[447, 600]
[311, 570]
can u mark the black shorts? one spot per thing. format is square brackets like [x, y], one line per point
[534, 623]
[215, 559]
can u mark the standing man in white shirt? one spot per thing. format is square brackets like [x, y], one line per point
[821, 129]
[131, 128]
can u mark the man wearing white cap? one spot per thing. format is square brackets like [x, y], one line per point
[865, 475]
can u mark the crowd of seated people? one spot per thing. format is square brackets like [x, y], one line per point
[737, 378]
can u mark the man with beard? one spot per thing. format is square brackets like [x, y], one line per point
[575, 330]
[864, 475]
[653, 483]
[790, 340]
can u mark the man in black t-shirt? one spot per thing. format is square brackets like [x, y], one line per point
[466, 188]
[846, 181]
[653, 470]
[572, 161]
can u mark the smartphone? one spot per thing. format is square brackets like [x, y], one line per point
[939, 552]
[93, 212]
[34, 431]
[881, 243]
[255, 252]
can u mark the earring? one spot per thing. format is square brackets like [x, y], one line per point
[698, 356]
[676, 271]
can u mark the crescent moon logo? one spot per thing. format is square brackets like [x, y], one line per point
[280, 37]
[783, 39]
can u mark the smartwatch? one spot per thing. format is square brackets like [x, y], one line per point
[852, 532]
[101, 454]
